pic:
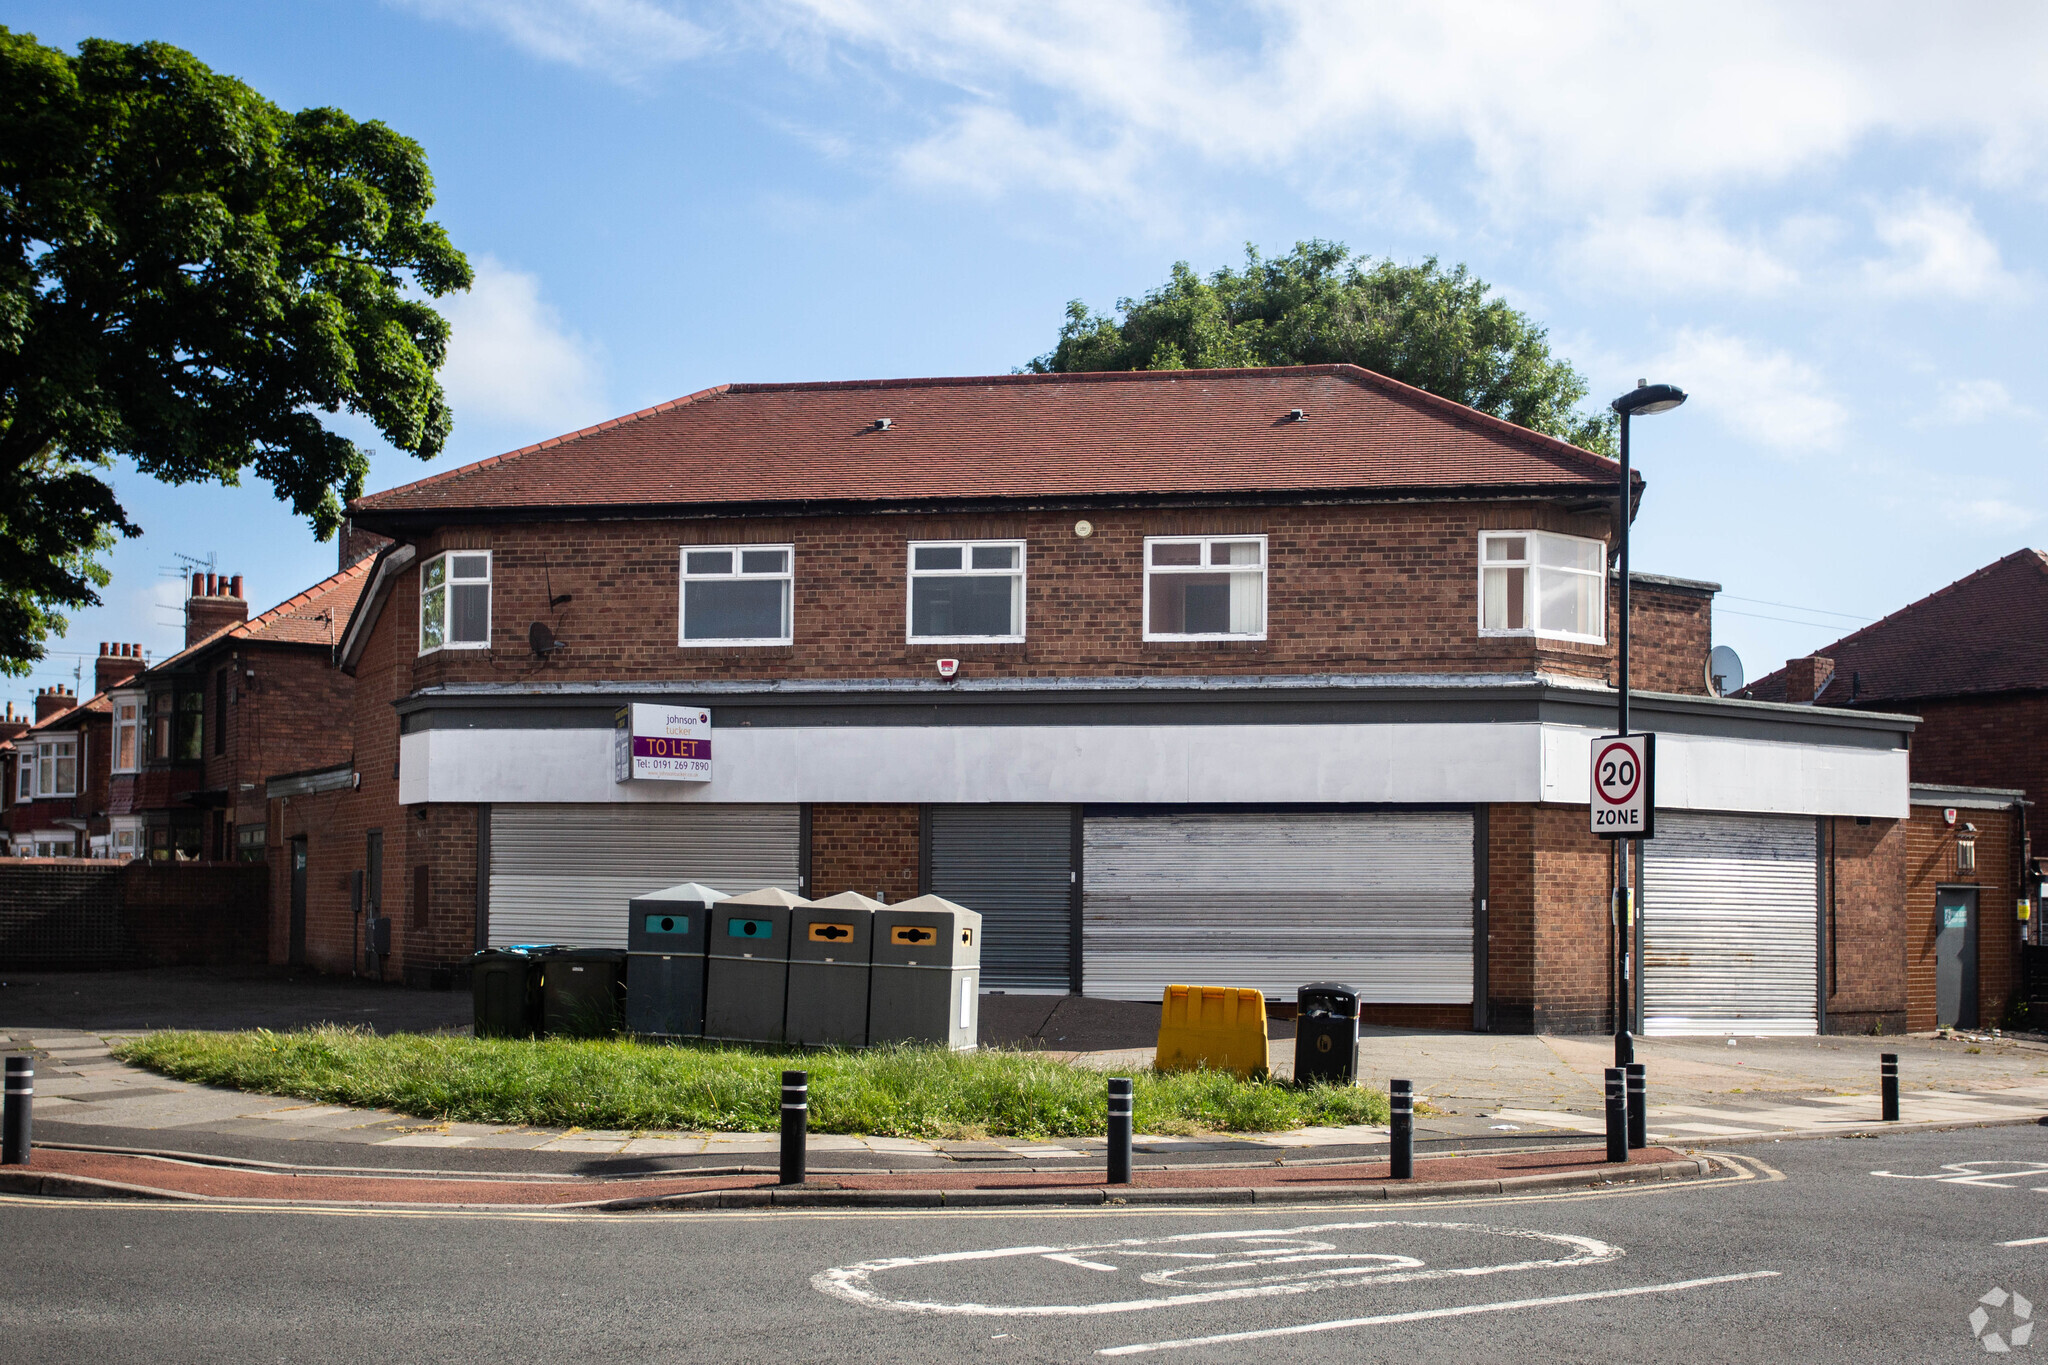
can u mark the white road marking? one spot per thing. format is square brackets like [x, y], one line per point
[854, 1283]
[1085, 1265]
[1425, 1314]
[2027, 1242]
[1978, 1173]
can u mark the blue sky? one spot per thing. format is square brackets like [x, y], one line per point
[1825, 221]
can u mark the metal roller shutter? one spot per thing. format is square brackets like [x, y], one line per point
[1015, 865]
[1380, 899]
[563, 874]
[1731, 932]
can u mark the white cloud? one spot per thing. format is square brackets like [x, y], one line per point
[510, 360]
[1988, 514]
[1653, 253]
[1965, 401]
[1768, 396]
[621, 37]
[1937, 249]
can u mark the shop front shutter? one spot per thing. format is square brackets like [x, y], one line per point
[563, 873]
[1730, 925]
[1013, 864]
[1381, 900]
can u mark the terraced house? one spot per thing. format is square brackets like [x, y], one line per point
[1236, 677]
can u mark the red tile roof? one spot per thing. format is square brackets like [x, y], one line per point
[316, 616]
[1015, 436]
[1984, 633]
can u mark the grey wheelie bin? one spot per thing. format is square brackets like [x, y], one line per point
[829, 941]
[666, 934]
[926, 981]
[581, 990]
[746, 977]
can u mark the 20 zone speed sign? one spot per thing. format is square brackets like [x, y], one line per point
[1624, 786]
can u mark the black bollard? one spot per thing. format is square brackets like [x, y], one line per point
[1617, 1115]
[1888, 1070]
[1638, 1106]
[1120, 1105]
[18, 1115]
[1401, 1134]
[1624, 1047]
[796, 1124]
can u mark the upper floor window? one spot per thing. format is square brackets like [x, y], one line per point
[737, 595]
[1205, 588]
[25, 772]
[127, 734]
[455, 601]
[967, 591]
[57, 768]
[176, 723]
[1537, 583]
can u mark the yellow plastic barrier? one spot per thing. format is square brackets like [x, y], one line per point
[1220, 1027]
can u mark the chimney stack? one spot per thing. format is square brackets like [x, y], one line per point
[1807, 678]
[14, 725]
[54, 701]
[116, 665]
[216, 601]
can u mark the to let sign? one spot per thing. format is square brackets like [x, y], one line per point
[666, 743]
[1625, 786]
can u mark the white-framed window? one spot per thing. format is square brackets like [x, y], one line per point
[25, 772]
[1540, 583]
[455, 601]
[1205, 587]
[966, 591]
[56, 768]
[736, 595]
[125, 834]
[127, 755]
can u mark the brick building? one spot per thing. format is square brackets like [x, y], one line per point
[196, 735]
[57, 787]
[1237, 676]
[1971, 663]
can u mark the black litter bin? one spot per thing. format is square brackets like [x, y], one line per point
[582, 990]
[505, 990]
[1326, 1034]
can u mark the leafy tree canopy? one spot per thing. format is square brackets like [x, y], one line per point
[1319, 305]
[189, 276]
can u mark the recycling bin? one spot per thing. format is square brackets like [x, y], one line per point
[925, 985]
[505, 990]
[746, 978]
[829, 945]
[666, 934]
[581, 990]
[1326, 1034]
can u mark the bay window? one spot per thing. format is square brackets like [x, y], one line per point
[1543, 584]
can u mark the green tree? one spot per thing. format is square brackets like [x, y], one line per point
[189, 277]
[1319, 305]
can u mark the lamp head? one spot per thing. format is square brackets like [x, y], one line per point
[1647, 398]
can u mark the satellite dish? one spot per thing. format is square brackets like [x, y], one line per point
[542, 639]
[1724, 671]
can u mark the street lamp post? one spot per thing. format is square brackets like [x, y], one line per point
[1644, 400]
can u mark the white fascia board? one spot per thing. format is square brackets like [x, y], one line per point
[1761, 777]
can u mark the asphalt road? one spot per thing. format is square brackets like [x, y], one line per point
[1802, 1254]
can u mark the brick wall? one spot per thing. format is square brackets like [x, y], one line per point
[872, 849]
[1351, 589]
[1551, 945]
[1995, 741]
[104, 914]
[1672, 635]
[1930, 861]
[285, 719]
[1866, 963]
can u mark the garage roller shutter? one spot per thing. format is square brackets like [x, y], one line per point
[1730, 929]
[1014, 864]
[563, 874]
[1382, 900]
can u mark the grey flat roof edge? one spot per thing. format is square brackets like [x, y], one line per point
[1938, 794]
[1665, 580]
[310, 783]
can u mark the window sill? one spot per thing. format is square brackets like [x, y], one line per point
[443, 649]
[736, 644]
[1554, 637]
[937, 642]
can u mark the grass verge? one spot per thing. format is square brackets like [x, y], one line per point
[617, 1084]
